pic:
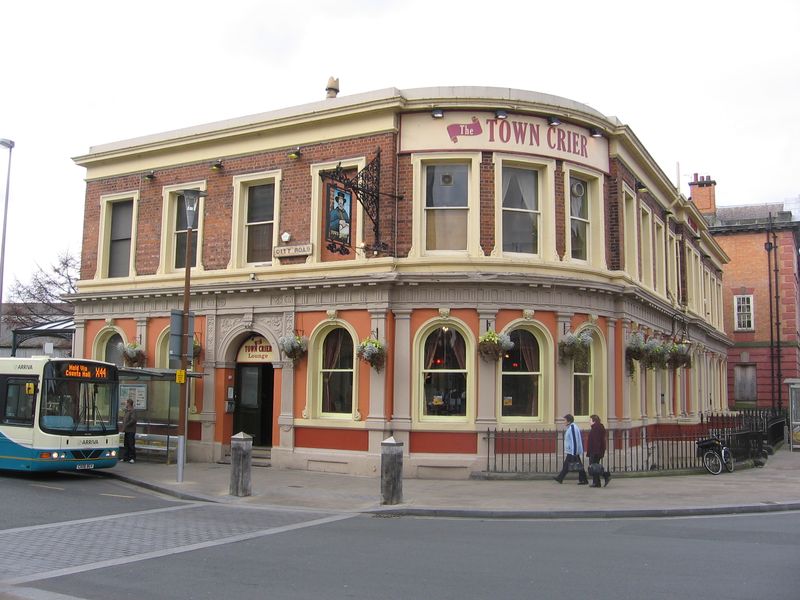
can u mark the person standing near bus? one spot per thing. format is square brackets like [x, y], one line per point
[129, 427]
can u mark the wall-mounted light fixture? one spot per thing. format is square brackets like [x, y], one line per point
[150, 175]
[437, 113]
[553, 121]
[595, 133]
[252, 276]
[286, 236]
[216, 165]
[500, 114]
[640, 187]
[294, 153]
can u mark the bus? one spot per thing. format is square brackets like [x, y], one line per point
[58, 414]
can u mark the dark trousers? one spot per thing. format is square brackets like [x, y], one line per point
[568, 459]
[594, 459]
[130, 446]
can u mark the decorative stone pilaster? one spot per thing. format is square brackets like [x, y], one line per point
[563, 391]
[286, 416]
[486, 411]
[614, 358]
[79, 339]
[626, 387]
[401, 357]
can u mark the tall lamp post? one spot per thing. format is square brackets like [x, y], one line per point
[10, 145]
[191, 199]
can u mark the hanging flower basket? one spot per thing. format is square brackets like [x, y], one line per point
[133, 355]
[492, 345]
[293, 346]
[679, 356]
[656, 353]
[372, 351]
[574, 346]
[196, 348]
[634, 350]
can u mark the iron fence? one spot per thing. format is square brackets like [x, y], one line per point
[746, 431]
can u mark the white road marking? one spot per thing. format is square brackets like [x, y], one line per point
[119, 496]
[49, 487]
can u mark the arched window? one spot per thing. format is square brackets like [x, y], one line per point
[582, 383]
[444, 374]
[521, 376]
[336, 374]
[113, 350]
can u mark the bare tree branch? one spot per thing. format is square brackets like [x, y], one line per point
[41, 299]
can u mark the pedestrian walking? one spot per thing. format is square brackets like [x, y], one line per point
[573, 449]
[596, 449]
[129, 427]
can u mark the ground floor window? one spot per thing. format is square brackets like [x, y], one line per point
[521, 376]
[337, 372]
[444, 373]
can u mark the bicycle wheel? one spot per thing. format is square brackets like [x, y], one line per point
[727, 459]
[712, 462]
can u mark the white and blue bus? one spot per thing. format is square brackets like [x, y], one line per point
[58, 414]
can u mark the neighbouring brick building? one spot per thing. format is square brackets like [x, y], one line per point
[761, 294]
[430, 220]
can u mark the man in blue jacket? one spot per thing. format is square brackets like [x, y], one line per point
[573, 449]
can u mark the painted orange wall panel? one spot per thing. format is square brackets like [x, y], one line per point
[224, 428]
[334, 439]
[277, 382]
[443, 442]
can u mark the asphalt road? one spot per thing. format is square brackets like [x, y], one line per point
[164, 549]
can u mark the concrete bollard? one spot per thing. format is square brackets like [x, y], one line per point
[241, 464]
[391, 471]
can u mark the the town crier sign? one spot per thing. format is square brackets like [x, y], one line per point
[465, 130]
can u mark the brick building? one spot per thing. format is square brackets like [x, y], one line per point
[760, 292]
[427, 219]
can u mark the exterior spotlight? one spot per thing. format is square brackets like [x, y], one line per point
[640, 187]
[295, 153]
[216, 165]
[595, 133]
[437, 113]
[553, 121]
[500, 114]
[286, 236]
[150, 175]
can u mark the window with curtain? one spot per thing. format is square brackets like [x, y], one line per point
[520, 210]
[181, 231]
[446, 206]
[579, 218]
[521, 376]
[260, 219]
[336, 374]
[444, 373]
[582, 383]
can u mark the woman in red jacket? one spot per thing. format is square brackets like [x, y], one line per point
[596, 449]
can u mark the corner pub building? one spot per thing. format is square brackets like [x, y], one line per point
[424, 219]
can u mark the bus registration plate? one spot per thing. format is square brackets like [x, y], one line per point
[84, 466]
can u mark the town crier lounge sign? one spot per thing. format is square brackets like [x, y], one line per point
[518, 133]
[256, 350]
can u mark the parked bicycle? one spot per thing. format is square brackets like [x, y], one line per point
[715, 455]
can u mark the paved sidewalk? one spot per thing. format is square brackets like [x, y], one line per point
[774, 487]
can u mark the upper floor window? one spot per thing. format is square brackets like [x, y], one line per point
[743, 312]
[521, 376]
[336, 374]
[579, 218]
[117, 235]
[260, 222]
[520, 210]
[256, 207]
[174, 229]
[181, 234]
[444, 373]
[446, 206]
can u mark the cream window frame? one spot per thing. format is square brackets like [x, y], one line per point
[241, 185]
[646, 228]
[170, 195]
[104, 233]
[418, 164]
[598, 383]
[673, 290]
[631, 228]
[596, 252]
[659, 258]
[546, 208]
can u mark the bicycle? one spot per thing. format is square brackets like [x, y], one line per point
[715, 455]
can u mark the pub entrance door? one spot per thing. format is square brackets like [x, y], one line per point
[253, 412]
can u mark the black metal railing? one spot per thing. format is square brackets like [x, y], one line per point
[746, 431]
[628, 450]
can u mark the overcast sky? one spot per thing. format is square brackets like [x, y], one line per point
[710, 85]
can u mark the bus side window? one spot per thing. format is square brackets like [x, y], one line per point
[19, 404]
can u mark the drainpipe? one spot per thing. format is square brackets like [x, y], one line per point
[778, 320]
[768, 248]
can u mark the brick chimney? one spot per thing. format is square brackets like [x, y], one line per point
[702, 194]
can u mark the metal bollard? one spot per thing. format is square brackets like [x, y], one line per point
[241, 464]
[391, 471]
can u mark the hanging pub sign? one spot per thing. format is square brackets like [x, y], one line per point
[256, 349]
[337, 223]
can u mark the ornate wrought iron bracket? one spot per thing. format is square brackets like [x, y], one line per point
[366, 187]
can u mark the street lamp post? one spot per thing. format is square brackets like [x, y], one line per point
[191, 199]
[10, 145]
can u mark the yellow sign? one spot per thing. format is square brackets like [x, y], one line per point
[180, 376]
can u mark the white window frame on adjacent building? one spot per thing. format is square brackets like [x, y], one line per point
[659, 258]
[594, 218]
[743, 320]
[646, 229]
[542, 216]
[240, 226]
[631, 236]
[169, 209]
[420, 163]
[107, 203]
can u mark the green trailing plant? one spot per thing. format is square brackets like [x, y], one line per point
[293, 347]
[575, 346]
[679, 355]
[373, 352]
[656, 354]
[492, 345]
[634, 350]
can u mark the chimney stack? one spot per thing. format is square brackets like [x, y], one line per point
[702, 194]
[333, 87]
